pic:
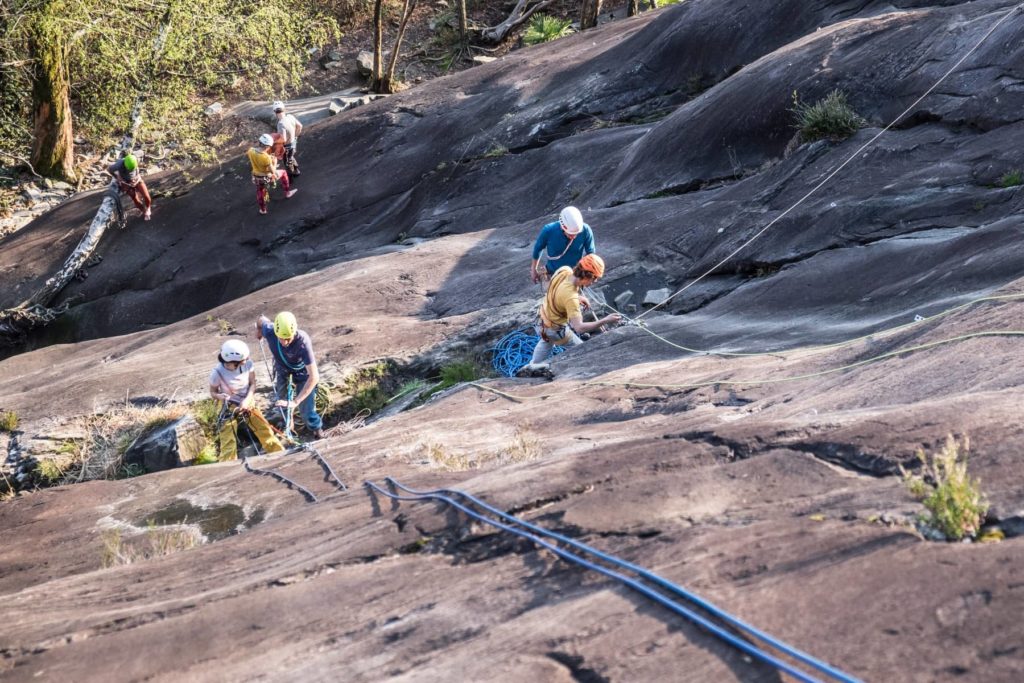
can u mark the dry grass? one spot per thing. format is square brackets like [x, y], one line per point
[8, 421]
[523, 447]
[158, 541]
[100, 455]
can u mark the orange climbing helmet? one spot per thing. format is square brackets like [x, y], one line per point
[593, 265]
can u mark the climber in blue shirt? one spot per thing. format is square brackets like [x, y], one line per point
[566, 243]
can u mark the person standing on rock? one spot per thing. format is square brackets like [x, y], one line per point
[569, 237]
[266, 173]
[289, 128]
[561, 312]
[295, 367]
[129, 181]
[233, 381]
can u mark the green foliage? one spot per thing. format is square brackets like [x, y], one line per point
[830, 117]
[131, 470]
[544, 28]
[369, 388]
[206, 412]
[1012, 179]
[207, 455]
[954, 501]
[50, 470]
[496, 151]
[8, 421]
[213, 47]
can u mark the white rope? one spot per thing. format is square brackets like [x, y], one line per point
[841, 166]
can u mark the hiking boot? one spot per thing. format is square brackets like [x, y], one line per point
[290, 193]
[263, 212]
[319, 434]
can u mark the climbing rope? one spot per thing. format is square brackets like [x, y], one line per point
[515, 350]
[586, 556]
[753, 382]
[860, 150]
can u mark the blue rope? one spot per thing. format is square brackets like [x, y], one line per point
[515, 350]
[670, 604]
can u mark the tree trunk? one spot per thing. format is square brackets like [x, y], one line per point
[388, 84]
[519, 16]
[653, 4]
[460, 8]
[378, 45]
[53, 141]
[588, 15]
[633, 8]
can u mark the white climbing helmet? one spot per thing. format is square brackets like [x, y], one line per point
[571, 220]
[278, 106]
[234, 351]
[266, 139]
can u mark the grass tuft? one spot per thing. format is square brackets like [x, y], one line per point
[1012, 178]
[829, 118]
[544, 28]
[8, 421]
[956, 506]
[157, 542]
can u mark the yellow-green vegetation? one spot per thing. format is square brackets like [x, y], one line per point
[831, 118]
[8, 421]
[207, 455]
[496, 150]
[156, 542]
[544, 28]
[956, 506]
[1012, 178]
[369, 389]
[206, 412]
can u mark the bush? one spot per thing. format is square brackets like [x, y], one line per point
[158, 542]
[207, 412]
[1012, 179]
[829, 118]
[954, 501]
[8, 421]
[544, 28]
[206, 456]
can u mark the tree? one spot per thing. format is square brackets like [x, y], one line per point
[520, 14]
[53, 139]
[633, 8]
[378, 43]
[589, 13]
[387, 84]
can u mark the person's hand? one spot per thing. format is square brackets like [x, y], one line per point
[248, 401]
[613, 319]
[222, 396]
[535, 276]
[584, 302]
[285, 404]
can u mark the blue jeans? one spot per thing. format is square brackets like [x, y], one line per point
[307, 409]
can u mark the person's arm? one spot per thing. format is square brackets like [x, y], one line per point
[260, 322]
[217, 394]
[588, 244]
[298, 130]
[580, 327]
[538, 247]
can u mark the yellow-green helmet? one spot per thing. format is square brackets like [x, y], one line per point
[130, 162]
[285, 325]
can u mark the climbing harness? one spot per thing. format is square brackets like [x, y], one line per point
[515, 350]
[841, 166]
[644, 582]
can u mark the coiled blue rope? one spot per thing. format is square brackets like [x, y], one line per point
[515, 350]
[443, 495]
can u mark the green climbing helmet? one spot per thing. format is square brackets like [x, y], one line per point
[130, 162]
[285, 325]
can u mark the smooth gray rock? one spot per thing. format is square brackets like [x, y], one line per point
[364, 63]
[172, 446]
[656, 296]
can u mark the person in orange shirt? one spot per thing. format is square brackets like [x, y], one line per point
[266, 173]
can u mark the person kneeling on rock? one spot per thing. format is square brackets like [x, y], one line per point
[294, 368]
[234, 382]
[561, 310]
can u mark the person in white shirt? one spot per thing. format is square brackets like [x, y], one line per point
[233, 381]
[289, 128]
